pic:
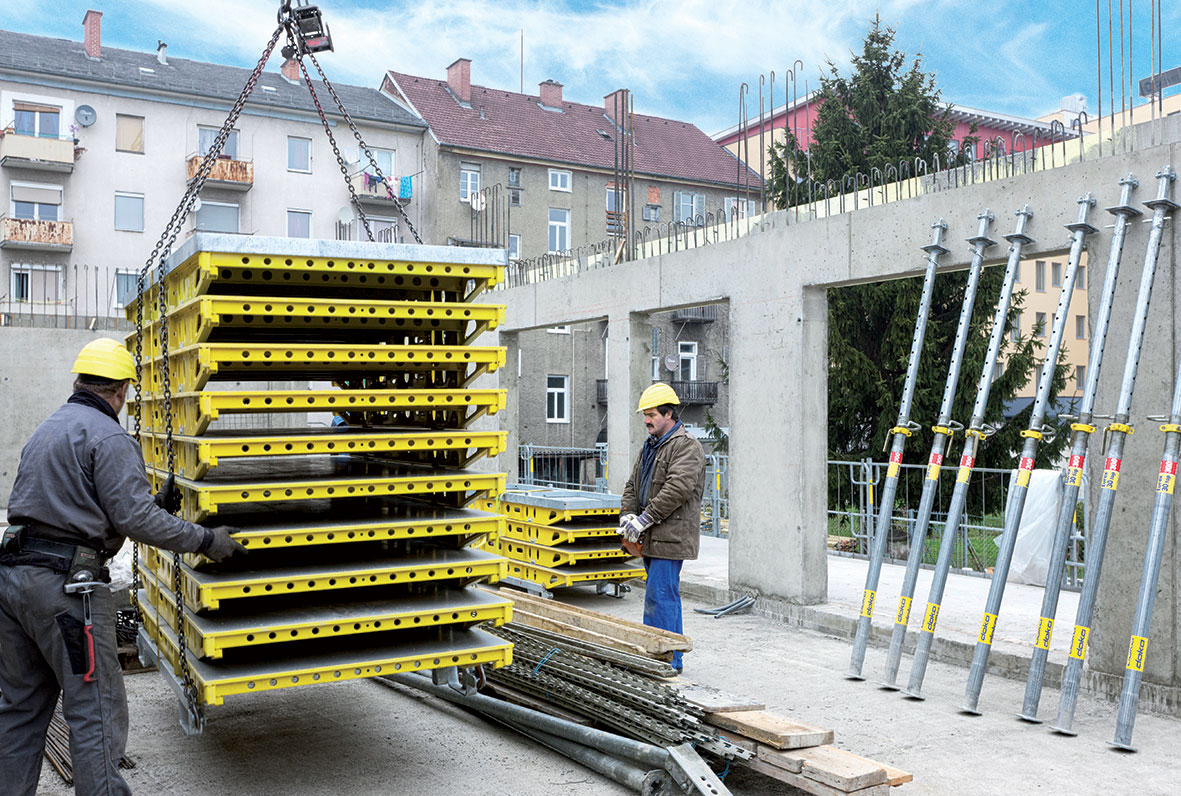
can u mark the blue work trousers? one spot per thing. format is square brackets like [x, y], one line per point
[662, 598]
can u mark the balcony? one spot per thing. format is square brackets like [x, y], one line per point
[227, 173]
[707, 314]
[35, 152]
[32, 235]
[696, 393]
[371, 191]
[600, 391]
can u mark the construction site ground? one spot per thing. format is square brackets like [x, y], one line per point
[364, 738]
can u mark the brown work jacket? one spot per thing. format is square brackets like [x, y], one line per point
[674, 498]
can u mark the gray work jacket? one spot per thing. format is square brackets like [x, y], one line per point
[674, 498]
[83, 475]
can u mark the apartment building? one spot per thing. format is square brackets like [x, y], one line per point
[98, 144]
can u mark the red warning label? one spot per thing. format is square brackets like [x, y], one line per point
[936, 458]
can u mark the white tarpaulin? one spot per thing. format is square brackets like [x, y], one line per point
[1035, 535]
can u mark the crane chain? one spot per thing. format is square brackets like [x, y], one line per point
[361, 142]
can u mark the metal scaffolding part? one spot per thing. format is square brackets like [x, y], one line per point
[944, 429]
[1033, 435]
[1072, 473]
[975, 433]
[902, 429]
[1118, 432]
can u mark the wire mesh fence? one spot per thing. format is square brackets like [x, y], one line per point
[569, 468]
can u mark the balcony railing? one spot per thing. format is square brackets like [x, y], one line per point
[34, 235]
[36, 152]
[226, 173]
[370, 189]
[701, 393]
[600, 391]
[707, 314]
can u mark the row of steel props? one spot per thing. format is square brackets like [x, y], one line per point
[1117, 431]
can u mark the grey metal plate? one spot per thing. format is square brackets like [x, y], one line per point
[560, 499]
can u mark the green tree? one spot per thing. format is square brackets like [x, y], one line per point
[888, 110]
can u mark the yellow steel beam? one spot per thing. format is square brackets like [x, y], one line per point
[569, 576]
[206, 590]
[193, 366]
[358, 480]
[556, 556]
[556, 534]
[217, 680]
[196, 456]
[192, 412]
[544, 516]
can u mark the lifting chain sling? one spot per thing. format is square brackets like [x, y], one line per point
[287, 24]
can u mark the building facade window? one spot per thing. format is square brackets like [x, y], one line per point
[1039, 276]
[469, 180]
[655, 368]
[129, 211]
[19, 284]
[299, 154]
[514, 197]
[559, 230]
[1015, 329]
[1080, 376]
[1080, 327]
[299, 224]
[384, 158]
[41, 283]
[1080, 278]
[1039, 325]
[564, 329]
[689, 208]
[218, 217]
[514, 178]
[385, 230]
[35, 201]
[514, 247]
[739, 208]
[557, 399]
[207, 136]
[129, 133]
[559, 180]
[42, 121]
[1055, 274]
[126, 284]
[688, 367]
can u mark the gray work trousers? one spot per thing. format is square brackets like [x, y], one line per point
[43, 653]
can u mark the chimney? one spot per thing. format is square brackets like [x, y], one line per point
[290, 70]
[459, 79]
[92, 34]
[551, 94]
[161, 52]
[615, 105]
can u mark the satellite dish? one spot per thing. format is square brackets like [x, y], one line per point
[85, 115]
[345, 216]
[672, 362]
[477, 201]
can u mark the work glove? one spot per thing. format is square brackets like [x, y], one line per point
[633, 530]
[219, 545]
[624, 519]
[169, 498]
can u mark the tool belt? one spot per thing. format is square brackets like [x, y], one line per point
[22, 545]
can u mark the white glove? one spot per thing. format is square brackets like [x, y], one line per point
[633, 530]
[624, 519]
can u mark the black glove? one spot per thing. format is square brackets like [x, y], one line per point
[169, 497]
[219, 545]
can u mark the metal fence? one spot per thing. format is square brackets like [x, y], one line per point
[715, 502]
[569, 468]
[852, 512]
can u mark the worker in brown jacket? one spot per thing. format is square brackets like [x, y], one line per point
[660, 512]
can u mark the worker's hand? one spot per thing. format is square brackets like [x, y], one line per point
[633, 530]
[624, 519]
[222, 545]
[169, 498]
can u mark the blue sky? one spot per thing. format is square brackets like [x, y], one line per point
[683, 59]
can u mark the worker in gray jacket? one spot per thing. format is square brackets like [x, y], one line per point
[80, 489]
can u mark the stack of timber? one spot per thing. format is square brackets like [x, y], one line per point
[791, 751]
[556, 538]
[362, 549]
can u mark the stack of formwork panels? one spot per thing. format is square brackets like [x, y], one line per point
[555, 538]
[362, 547]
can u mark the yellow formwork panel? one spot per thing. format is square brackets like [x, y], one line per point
[217, 680]
[194, 321]
[209, 636]
[555, 534]
[192, 412]
[569, 576]
[547, 516]
[197, 455]
[192, 367]
[542, 555]
[223, 272]
[206, 590]
[328, 479]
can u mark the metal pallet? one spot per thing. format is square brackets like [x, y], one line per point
[551, 535]
[556, 556]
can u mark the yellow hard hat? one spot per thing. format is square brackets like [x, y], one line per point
[658, 394]
[106, 358]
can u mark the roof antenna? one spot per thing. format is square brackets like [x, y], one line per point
[522, 60]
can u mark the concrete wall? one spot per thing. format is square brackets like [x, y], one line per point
[776, 282]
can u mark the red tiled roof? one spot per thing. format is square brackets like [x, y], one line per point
[516, 124]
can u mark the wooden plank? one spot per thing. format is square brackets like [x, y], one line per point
[554, 626]
[776, 731]
[713, 700]
[779, 759]
[810, 785]
[896, 776]
[838, 768]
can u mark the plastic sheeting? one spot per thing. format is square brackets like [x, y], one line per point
[1035, 534]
